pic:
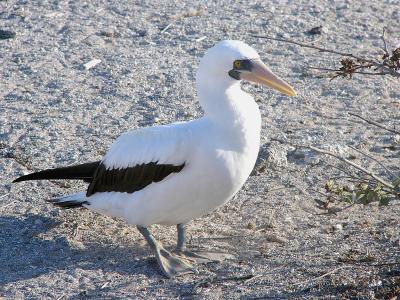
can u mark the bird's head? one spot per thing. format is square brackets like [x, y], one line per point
[231, 61]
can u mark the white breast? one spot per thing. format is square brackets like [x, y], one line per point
[218, 150]
[216, 166]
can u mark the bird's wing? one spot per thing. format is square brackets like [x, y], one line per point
[139, 158]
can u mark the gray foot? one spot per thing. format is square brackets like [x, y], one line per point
[173, 265]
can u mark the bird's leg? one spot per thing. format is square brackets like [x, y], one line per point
[171, 265]
[199, 256]
[181, 245]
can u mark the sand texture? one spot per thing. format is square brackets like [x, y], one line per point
[79, 73]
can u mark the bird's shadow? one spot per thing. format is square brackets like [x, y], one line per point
[25, 254]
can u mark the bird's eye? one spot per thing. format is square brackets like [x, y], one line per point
[237, 64]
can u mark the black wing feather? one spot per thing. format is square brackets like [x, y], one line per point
[101, 179]
[83, 172]
[130, 179]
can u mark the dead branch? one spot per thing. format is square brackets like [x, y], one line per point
[355, 72]
[354, 63]
[345, 172]
[322, 276]
[374, 123]
[385, 48]
[358, 167]
[374, 159]
[311, 47]
[362, 169]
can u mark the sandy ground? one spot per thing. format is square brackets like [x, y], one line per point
[55, 112]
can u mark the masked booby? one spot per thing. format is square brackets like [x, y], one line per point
[174, 173]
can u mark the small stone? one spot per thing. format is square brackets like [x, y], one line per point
[7, 34]
[251, 225]
[277, 155]
[285, 35]
[328, 229]
[54, 213]
[276, 239]
[338, 227]
[310, 179]
[70, 279]
[315, 30]
[84, 281]
[109, 34]
[141, 32]
[65, 185]
[91, 64]
[375, 283]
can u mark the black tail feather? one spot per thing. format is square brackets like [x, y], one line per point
[68, 204]
[83, 172]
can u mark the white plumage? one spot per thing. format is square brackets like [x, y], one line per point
[217, 152]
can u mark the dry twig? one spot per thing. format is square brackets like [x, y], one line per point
[345, 160]
[374, 159]
[374, 123]
[354, 64]
[362, 169]
[322, 276]
[385, 48]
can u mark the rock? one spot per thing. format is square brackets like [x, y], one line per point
[276, 239]
[110, 33]
[157, 120]
[7, 34]
[91, 64]
[338, 227]
[315, 30]
[251, 225]
[277, 155]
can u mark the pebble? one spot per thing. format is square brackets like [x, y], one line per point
[276, 239]
[338, 227]
[7, 34]
[91, 64]
[251, 225]
[316, 30]
[84, 281]
[109, 34]
[277, 155]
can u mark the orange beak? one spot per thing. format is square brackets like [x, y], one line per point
[260, 73]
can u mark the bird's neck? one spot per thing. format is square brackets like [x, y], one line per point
[234, 112]
[235, 117]
[224, 102]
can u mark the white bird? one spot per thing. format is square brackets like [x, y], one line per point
[174, 173]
